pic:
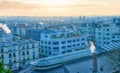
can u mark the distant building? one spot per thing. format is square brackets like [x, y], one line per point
[88, 29]
[34, 33]
[106, 33]
[5, 37]
[20, 29]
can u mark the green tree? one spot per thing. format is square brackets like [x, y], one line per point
[2, 69]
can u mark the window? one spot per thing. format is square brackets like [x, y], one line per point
[45, 42]
[14, 60]
[69, 46]
[82, 43]
[49, 42]
[73, 45]
[63, 52]
[42, 51]
[77, 49]
[45, 47]
[62, 35]
[78, 39]
[108, 34]
[19, 53]
[46, 36]
[69, 41]
[99, 38]
[55, 43]
[41, 41]
[2, 56]
[49, 53]
[99, 42]
[1, 50]
[63, 47]
[27, 52]
[55, 47]
[113, 36]
[108, 38]
[104, 38]
[99, 33]
[23, 47]
[82, 39]
[10, 55]
[45, 51]
[49, 47]
[33, 56]
[73, 40]
[10, 60]
[107, 29]
[42, 46]
[63, 42]
[78, 44]
[14, 55]
[23, 53]
[69, 51]
[27, 46]
[33, 46]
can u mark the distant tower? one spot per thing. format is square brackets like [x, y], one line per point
[6, 21]
[81, 17]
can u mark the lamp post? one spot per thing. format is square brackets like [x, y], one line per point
[94, 56]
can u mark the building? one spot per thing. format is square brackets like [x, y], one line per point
[56, 42]
[75, 62]
[16, 54]
[106, 33]
[34, 33]
[56, 37]
[88, 29]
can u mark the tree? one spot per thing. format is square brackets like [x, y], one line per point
[2, 70]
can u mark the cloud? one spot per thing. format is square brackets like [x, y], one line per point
[19, 5]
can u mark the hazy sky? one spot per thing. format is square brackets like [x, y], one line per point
[59, 7]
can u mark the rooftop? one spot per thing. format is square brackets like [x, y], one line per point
[82, 62]
[18, 42]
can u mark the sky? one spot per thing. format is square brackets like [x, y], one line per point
[59, 7]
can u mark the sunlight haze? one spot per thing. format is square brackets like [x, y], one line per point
[59, 7]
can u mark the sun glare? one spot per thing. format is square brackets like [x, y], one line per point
[57, 2]
[49, 2]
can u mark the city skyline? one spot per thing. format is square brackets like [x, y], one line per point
[59, 7]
